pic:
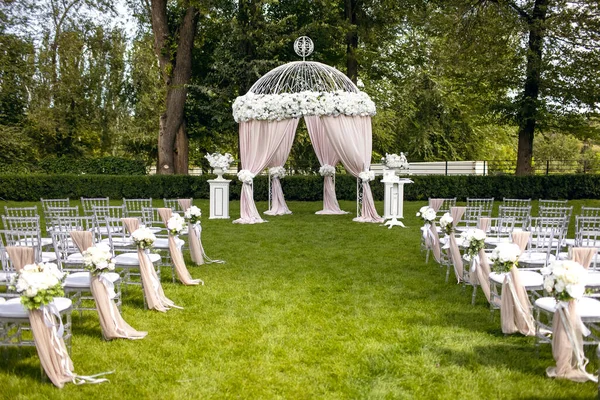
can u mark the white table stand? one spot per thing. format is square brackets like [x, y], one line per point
[393, 202]
[219, 198]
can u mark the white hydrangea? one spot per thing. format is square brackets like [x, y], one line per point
[327, 170]
[218, 160]
[143, 238]
[246, 176]
[446, 223]
[277, 172]
[565, 279]
[98, 259]
[176, 224]
[473, 240]
[34, 278]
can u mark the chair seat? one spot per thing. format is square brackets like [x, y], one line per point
[593, 279]
[588, 308]
[82, 279]
[163, 243]
[495, 241]
[75, 258]
[48, 256]
[535, 258]
[14, 309]
[6, 276]
[131, 259]
[530, 279]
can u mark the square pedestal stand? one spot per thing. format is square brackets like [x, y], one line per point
[219, 198]
[393, 202]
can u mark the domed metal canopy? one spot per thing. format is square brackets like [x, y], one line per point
[302, 76]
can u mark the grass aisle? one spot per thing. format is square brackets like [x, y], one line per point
[306, 307]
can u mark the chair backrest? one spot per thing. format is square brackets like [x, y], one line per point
[52, 215]
[486, 205]
[471, 216]
[151, 218]
[543, 241]
[134, 206]
[21, 211]
[100, 213]
[541, 227]
[516, 202]
[520, 215]
[590, 211]
[500, 227]
[64, 246]
[552, 203]
[173, 204]
[22, 223]
[67, 223]
[445, 207]
[118, 237]
[88, 202]
[47, 203]
[29, 238]
[555, 212]
[587, 231]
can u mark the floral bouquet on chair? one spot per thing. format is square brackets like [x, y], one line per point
[176, 224]
[504, 257]
[218, 160]
[38, 284]
[427, 213]
[565, 280]
[143, 238]
[98, 259]
[192, 215]
[473, 240]
[446, 224]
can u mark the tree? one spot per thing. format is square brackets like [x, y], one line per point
[174, 33]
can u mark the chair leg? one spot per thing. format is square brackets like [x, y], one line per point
[474, 295]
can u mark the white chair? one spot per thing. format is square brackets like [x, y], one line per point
[88, 202]
[516, 202]
[541, 249]
[25, 231]
[520, 215]
[52, 216]
[173, 204]
[589, 211]
[100, 213]
[134, 206]
[48, 203]
[470, 218]
[486, 204]
[533, 282]
[21, 211]
[589, 311]
[152, 220]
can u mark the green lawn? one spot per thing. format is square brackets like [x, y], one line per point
[307, 307]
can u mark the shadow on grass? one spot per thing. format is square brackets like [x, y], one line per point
[21, 361]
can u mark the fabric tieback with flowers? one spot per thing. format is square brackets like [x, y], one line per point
[192, 215]
[277, 172]
[143, 238]
[504, 257]
[176, 224]
[327, 170]
[565, 280]
[218, 160]
[246, 177]
[38, 284]
[367, 176]
[446, 224]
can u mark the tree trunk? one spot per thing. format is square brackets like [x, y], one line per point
[528, 108]
[351, 40]
[176, 71]
[182, 150]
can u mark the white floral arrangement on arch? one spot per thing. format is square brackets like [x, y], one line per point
[282, 106]
[192, 215]
[427, 213]
[246, 176]
[504, 257]
[473, 240]
[218, 160]
[38, 284]
[143, 238]
[446, 224]
[565, 280]
[277, 172]
[395, 161]
[98, 259]
[176, 224]
[327, 170]
[367, 176]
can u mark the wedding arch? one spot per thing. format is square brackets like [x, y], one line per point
[338, 119]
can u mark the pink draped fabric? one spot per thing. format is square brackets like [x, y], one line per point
[484, 223]
[483, 274]
[278, 205]
[435, 246]
[521, 239]
[436, 204]
[20, 256]
[515, 307]
[457, 213]
[326, 155]
[583, 255]
[352, 137]
[259, 142]
[456, 259]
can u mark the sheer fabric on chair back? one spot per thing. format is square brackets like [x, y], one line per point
[24, 238]
[516, 202]
[21, 211]
[520, 215]
[88, 202]
[174, 205]
[134, 206]
[447, 203]
[487, 205]
[48, 203]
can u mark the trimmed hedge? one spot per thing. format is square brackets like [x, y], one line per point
[32, 187]
[87, 165]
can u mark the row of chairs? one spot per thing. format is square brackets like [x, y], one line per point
[487, 205]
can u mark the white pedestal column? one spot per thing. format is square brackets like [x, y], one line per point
[393, 201]
[219, 198]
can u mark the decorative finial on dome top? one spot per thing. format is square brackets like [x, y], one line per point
[303, 46]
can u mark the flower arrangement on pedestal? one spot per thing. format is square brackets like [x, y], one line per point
[38, 284]
[327, 170]
[395, 161]
[98, 259]
[504, 257]
[565, 280]
[176, 224]
[473, 240]
[446, 224]
[277, 172]
[218, 160]
[143, 238]
[192, 215]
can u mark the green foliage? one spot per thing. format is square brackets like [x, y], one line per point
[43, 297]
[86, 165]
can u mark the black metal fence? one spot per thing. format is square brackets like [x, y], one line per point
[545, 167]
